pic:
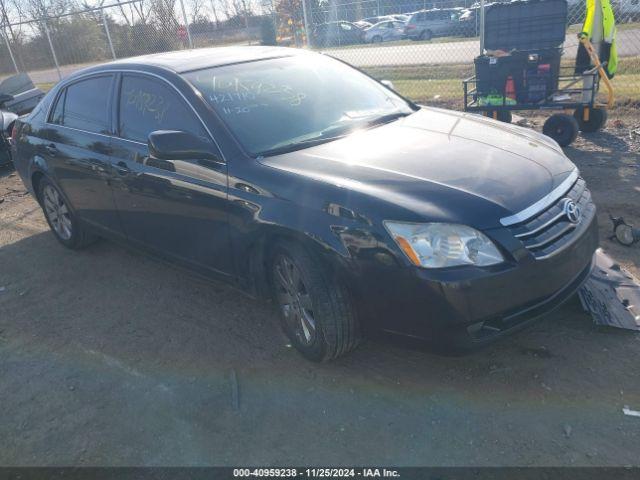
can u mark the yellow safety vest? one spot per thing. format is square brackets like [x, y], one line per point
[608, 31]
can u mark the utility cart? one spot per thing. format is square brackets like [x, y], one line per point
[521, 70]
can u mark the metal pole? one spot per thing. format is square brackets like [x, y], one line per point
[53, 52]
[246, 25]
[481, 27]
[106, 29]
[13, 59]
[213, 10]
[186, 23]
[306, 22]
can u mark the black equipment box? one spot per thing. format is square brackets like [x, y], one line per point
[525, 25]
[534, 75]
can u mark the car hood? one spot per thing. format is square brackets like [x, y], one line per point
[420, 159]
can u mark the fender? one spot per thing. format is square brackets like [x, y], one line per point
[334, 233]
[7, 119]
[37, 164]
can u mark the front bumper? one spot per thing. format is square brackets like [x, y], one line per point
[474, 305]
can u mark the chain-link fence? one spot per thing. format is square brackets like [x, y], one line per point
[425, 47]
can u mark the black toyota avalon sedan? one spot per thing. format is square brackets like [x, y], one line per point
[299, 179]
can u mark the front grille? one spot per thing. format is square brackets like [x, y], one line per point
[550, 229]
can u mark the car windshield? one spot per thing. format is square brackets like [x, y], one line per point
[283, 104]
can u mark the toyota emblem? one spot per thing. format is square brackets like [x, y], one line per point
[571, 210]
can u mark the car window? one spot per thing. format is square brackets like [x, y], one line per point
[85, 105]
[147, 105]
[271, 103]
[58, 111]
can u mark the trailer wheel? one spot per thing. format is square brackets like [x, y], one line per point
[597, 119]
[502, 115]
[562, 128]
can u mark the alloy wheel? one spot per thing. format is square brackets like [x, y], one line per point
[57, 212]
[294, 300]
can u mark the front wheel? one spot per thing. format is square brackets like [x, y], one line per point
[562, 128]
[315, 310]
[60, 217]
[376, 39]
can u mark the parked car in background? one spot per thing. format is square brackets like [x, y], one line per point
[384, 32]
[295, 177]
[362, 24]
[378, 18]
[470, 22]
[18, 95]
[625, 11]
[333, 34]
[438, 22]
[400, 17]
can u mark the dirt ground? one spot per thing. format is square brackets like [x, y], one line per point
[109, 357]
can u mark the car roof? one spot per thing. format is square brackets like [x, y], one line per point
[186, 60]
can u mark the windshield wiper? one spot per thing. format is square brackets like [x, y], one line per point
[389, 117]
[329, 134]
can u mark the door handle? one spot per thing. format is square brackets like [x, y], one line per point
[122, 168]
[51, 149]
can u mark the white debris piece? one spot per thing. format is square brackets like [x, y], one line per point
[632, 413]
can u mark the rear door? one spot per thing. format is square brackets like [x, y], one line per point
[396, 30]
[78, 137]
[384, 30]
[174, 207]
[348, 33]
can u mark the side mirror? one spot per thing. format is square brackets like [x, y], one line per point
[388, 84]
[5, 98]
[178, 145]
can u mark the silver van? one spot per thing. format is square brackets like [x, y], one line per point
[438, 22]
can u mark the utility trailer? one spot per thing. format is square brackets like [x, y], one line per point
[522, 71]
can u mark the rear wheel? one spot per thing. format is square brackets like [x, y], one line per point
[60, 217]
[562, 128]
[315, 310]
[425, 35]
[597, 119]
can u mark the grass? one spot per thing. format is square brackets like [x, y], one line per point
[45, 87]
[442, 84]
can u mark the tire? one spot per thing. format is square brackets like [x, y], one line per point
[315, 310]
[376, 39]
[503, 115]
[562, 128]
[425, 35]
[61, 218]
[597, 119]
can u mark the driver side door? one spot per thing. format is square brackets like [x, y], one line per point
[173, 207]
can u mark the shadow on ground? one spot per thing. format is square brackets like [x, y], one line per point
[109, 357]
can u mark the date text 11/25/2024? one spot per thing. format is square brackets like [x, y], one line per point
[316, 472]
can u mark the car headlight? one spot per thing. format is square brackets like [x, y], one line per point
[438, 245]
